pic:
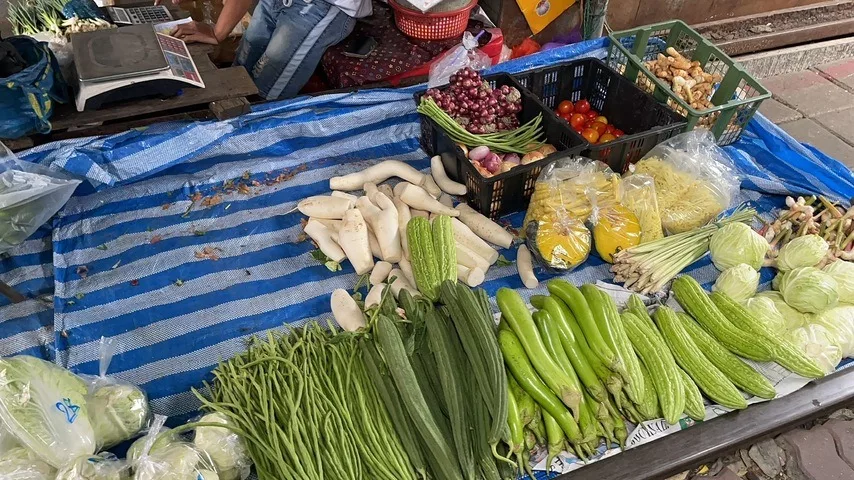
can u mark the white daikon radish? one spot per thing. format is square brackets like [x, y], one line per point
[324, 206]
[353, 239]
[407, 270]
[346, 195]
[346, 311]
[470, 276]
[467, 257]
[380, 272]
[382, 218]
[464, 236]
[441, 177]
[484, 227]
[525, 264]
[375, 296]
[400, 282]
[377, 174]
[417, 197]
[323, 238]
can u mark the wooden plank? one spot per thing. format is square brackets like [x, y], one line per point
[113, 128]
[785, 38]
[230, 108]
[220, 84]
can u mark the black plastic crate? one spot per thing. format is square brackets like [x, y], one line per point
[509, 191]
[646, 122]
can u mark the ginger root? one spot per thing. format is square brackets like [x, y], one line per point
[687, 78]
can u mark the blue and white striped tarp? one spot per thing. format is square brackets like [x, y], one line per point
[184, 243]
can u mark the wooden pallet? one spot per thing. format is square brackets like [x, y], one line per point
[224, 96]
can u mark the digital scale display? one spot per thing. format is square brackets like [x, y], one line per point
[139, 15]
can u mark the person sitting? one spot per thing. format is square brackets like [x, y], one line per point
[285, 39]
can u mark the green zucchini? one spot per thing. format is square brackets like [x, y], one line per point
[696, 302]
[392, 349]
[710, 380]
[740, 373]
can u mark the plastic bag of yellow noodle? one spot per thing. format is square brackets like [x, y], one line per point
[637, 193]
[694, 180]
[559, 207]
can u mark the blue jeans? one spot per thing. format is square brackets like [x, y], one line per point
[285, 41]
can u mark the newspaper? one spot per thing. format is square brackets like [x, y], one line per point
[784, 381]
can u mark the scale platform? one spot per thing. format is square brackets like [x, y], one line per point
[130, 62]
[138, 15]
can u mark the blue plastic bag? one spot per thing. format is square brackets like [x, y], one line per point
[28, 97]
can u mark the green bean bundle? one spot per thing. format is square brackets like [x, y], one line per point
[307, 409]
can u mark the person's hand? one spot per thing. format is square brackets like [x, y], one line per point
[196, 32]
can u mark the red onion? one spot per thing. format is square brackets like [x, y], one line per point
[479, 153]
[512, 158]
[492, 162]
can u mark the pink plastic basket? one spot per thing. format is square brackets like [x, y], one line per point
[431, 26]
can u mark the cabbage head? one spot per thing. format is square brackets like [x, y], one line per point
[7, 441]
[21, 464]
[817, 343]
[840, 322]
[764, 309]
[174, 461]
[44, 406]
[122, 412]
[104, 466]
[737, 243]
[809, 290]
[162, 441]
[738, 283]
[843, 273]
[806, 251]
[225, 448]
[793, 318]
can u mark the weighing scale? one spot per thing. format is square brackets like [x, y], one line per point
[130, 62]
[139, 15]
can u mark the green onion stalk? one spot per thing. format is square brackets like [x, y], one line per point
[521, 140]
[646, 268]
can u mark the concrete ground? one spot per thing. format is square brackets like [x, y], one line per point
[816, 106]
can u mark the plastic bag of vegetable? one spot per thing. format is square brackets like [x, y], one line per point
[840, 321]
[21, 464]
[29, 195]
[224, 447]
[7, 441]
[805, 251]
[694, 180]
[819, 344]
[637, 192]
[809, 290]
[843, 272]
[765, 310]
[792, 317]
[554, 223]
[737, 243]
[614, 227]
[44, 407]
[162, 456]
[104, 466]
[739, 282]
[122, 408]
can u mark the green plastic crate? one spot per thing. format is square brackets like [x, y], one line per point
[736, 97]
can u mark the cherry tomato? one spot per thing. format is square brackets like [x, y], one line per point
[565, 116]
[590, 135]
[599, 127]
[591, 115]
[609, 128]
[618, 133]
[578, 128]
[588, 124]
[565, 107]
[602, 119]
[607, 137]
[582, 106]
[577, 120]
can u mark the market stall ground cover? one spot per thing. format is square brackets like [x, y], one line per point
[253, 239]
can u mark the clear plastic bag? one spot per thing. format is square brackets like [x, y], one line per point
[225, 448]
[466, 54]
[7, 440]
[29, 195]
[44, 407]
[104, 466]
[122, 408]
[637, 192]
[554, 224]
[161, 456]
[694, 180]
[615, 227]
[22, 464]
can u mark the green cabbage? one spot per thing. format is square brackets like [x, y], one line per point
[765, 310]
[818, 344]
[174, 461]
[225, 448]
[793, 318]
[162, 441]
[809, 290]
[806, 251]
[739, 282]
[737, 243]
[22, 464]
[7, 441]
[122, 412]
[840, 321]
[104, 466]
[843, 273]
[44, 406]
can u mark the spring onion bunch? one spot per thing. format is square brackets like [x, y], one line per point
[646, 268]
